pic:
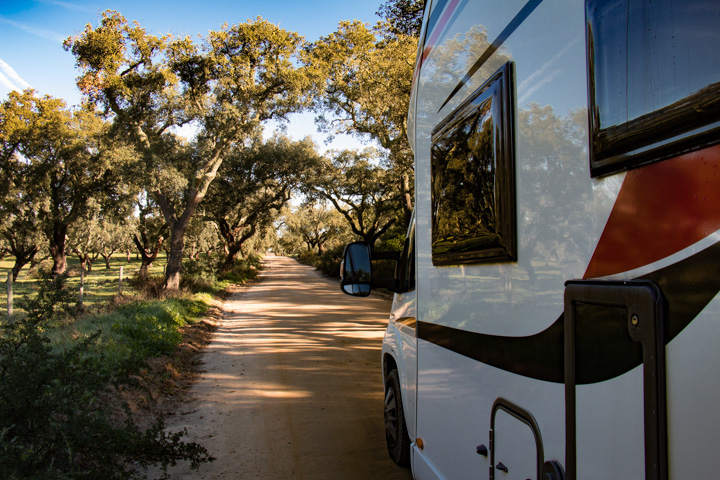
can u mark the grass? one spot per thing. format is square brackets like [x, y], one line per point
[101, 284]
[79, 388]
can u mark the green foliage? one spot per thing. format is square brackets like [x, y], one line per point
[365, 78]
[403, 16]
[242, 270]
[227, 84]
[212, 275]
[139, 330]
[52, 301]
[56, 421]
[362, 190]
[313, 225]
[203, 266]
[254, 184]
[329, 261]
[57, 160]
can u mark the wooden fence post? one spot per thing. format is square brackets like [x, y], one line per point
[9, 297]
[82, 286]
[120, 281]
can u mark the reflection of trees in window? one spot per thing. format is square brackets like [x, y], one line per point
[463, 209]
[473, 180]
[557, 211]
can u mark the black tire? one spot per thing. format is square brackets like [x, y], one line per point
[396, 434]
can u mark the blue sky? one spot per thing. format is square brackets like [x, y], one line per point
[32, 32]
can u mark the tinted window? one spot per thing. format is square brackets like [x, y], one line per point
[473, 179]
[654, 69]
[406, 265]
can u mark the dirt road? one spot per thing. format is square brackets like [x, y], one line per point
[292, 387]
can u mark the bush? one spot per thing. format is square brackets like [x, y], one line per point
[308, 257]
[243, 269]
[329, 261]
[148, 286]
[204, 267]
[54, 417]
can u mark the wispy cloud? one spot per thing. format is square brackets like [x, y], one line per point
[10, 79]
[69, 6]
[543, 75]
[40, 32]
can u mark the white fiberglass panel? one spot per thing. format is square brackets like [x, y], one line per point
[455, 399]
[561, 211]
[693, 395]
[610, 428]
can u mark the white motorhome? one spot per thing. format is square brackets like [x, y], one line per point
[557, 314]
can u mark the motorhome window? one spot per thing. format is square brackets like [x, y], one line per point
[654, 73]
[406, 265]
[473, 178]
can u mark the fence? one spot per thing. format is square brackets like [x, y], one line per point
[98, 286]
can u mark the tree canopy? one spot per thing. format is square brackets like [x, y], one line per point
[366, 80]
[122, 154]
[254, 184]
[61, 159]
[403, 16]
[226, 86]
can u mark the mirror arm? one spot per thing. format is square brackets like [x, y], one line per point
[388, 283]
[386, 256]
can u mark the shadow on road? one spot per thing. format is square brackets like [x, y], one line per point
[292, 386]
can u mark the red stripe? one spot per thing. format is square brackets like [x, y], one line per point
[661, 209]
[442, 23]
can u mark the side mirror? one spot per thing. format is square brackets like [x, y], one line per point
[355, 270]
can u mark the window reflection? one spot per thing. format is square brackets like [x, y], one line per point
[473, 195]
[654, 70]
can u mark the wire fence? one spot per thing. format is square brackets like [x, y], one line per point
[97, 286]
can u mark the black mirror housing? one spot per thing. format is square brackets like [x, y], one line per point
[356, 270]
[356, 276]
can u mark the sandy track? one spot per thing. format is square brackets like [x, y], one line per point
[291, 387]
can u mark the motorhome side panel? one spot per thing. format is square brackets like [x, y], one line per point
[511, 76]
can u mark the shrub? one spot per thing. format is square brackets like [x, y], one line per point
[242, 270]
[54, 417]
[148, 286]
[205, 267]
[307, 257]
[329, 261]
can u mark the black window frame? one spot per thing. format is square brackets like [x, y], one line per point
[688, 124]
[499, 90]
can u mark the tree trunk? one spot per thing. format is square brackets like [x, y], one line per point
[83, 263]
[174, 259]
[22, 258]
[232, 251]
[57, 248]
[147, 257]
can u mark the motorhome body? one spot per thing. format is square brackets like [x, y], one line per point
[562, 317]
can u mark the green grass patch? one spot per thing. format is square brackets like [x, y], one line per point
[136, 331]
[101, 284]
[61, 366]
